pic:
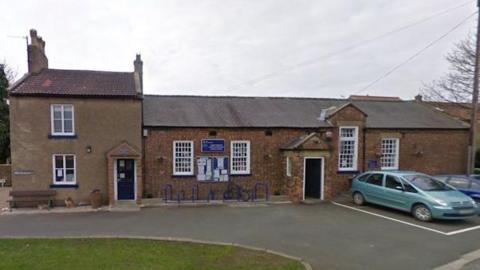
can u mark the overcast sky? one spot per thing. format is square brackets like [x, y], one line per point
[243, 47]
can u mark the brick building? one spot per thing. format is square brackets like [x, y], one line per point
[76, 130]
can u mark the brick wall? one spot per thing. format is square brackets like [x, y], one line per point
[267, 161]
[429, 151]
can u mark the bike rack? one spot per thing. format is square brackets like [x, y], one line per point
[195, 191]
[182, 192]
[255, 190]
[211, 195]
[168, 189]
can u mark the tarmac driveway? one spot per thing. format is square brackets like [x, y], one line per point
[325, 235]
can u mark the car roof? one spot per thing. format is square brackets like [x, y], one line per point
[396, 172]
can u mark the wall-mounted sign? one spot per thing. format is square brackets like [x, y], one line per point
[372, 164]
[212, 169]
[23, 172]
[213, 145]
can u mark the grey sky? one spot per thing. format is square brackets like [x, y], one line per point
[217, 47]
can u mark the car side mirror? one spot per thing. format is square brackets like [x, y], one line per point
[399, 188]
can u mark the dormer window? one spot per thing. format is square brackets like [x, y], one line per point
[62, 120]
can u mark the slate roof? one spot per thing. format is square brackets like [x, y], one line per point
[209, 111]
[61, 82]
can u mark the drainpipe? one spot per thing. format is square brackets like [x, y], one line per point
[364, 148]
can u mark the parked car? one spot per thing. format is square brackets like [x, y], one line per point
[470, 185]
[422, 195]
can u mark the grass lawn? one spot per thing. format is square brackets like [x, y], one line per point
[132, 254]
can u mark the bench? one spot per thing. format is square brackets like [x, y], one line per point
[38, 196]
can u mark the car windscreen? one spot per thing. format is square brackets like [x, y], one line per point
[427, 183]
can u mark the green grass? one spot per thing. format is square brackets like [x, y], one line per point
[133, 254]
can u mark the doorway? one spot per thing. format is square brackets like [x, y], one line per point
[313, 178]
[125, 179]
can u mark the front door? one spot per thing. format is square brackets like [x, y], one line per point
[313, 178]
[125, 179]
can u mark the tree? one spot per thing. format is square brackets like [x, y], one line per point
[457, 84]
[5, 76]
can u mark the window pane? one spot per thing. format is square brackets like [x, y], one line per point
[363, 177]
[57, 126]
[67, 112]
[68, 126]
[475, 185]
[392, 182]
[58, 162]
[459, 182]
[69, 160]
[375, 179]
[70, 175]
[57, 112]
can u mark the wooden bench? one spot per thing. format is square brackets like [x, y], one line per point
[38, 196]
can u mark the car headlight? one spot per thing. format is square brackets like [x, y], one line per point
[440, 202]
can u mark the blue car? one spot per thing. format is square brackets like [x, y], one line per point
[422, 195]
[470, 185]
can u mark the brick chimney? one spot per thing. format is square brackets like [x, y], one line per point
[37, 60]
[138, 73]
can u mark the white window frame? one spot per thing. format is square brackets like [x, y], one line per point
[354, 166]
[289, 167]
[54, 170]
[52, 126]
[397, 154]
[247, 165]
[174, 151]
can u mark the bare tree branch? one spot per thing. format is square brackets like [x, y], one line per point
[456, 85]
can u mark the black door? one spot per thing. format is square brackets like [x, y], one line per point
[313, 177]
[125, 179]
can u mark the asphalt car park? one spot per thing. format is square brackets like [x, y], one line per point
[444, 227]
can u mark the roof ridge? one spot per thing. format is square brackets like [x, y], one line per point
[86, 70]
[272, 97]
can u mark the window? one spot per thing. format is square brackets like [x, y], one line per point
[408, 188]
[376, 179]
[183, 158]
[389, 154]
[459, 182]
[427, 183]
[64, 169]
[348, 149]
[62, 117]
[392, 182]
[363, 177]
[289, 167]
[240, 157]
[475, 185]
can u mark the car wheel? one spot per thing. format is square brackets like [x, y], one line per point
[358, 198]
[422, 213]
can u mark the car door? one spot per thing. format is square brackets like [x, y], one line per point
[394, 192]
[374, 188]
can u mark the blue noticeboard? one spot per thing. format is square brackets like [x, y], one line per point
[213, 145]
